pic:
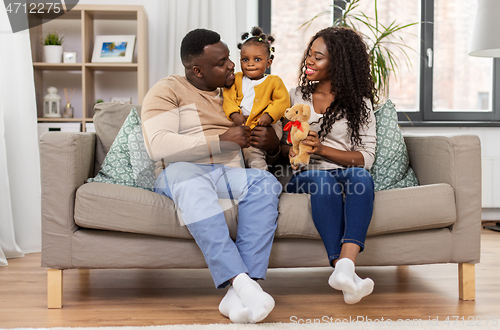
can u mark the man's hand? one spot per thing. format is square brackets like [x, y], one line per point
[235, 138]
[264, 138]
[238, 119]
[265, 120]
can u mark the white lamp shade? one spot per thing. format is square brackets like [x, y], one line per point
[485, 40]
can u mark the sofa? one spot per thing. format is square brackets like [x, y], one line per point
[101, 226]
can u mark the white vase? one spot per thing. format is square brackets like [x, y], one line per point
[53, 53]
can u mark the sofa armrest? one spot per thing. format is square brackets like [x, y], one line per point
[67, 160]
[455, 160]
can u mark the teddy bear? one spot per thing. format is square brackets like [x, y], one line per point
[298, 129]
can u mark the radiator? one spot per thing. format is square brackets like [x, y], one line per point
[490, 182]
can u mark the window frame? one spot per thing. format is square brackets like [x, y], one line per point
[425, 116]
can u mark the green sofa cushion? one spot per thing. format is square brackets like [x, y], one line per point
[391, 166]
[127, 162]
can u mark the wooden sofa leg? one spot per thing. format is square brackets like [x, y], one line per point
[54, 288]
[467, 281]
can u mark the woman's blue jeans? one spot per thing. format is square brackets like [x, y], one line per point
[341, 205]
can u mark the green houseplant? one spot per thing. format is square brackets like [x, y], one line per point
[52, 39]
[53, 48]
[381, 40]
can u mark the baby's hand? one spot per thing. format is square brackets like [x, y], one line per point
[238, 118]
[265, 120]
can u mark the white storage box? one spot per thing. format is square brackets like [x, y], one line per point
[89, 127]
[58, 127]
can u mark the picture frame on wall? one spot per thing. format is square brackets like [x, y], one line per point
[113, 49]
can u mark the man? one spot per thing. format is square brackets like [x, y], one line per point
[198, 154]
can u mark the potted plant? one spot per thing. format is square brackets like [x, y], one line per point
[381, 41]
[53, 48]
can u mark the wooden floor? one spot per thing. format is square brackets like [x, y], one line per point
[158, 297]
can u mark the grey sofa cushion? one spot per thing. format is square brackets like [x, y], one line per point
[120, 208]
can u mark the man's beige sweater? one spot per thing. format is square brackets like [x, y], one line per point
[182, 123]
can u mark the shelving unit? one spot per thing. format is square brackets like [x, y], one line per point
[88, 16]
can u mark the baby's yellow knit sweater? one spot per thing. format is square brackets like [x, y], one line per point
[271, 97]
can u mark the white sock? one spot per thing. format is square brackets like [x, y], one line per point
[252, 296]
[365, 287]
[342, 277]
[232, 307]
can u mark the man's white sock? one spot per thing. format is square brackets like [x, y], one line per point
[232, 307]
[342, 277]
[365, 287]
[252, 296]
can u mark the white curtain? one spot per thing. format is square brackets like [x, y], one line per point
[20, 225]
[175, 18]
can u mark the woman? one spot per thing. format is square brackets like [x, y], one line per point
[335, 81]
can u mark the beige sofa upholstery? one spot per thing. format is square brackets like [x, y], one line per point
[99, 225]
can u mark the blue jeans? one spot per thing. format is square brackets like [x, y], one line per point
[341, 205]
[196, 189]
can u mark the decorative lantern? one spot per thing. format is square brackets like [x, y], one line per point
[52, 104]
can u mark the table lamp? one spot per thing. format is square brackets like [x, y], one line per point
[485, 40]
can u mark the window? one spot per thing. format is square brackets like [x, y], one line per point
[455, 86]
[442, 85]
[291, 40]
[403, 91]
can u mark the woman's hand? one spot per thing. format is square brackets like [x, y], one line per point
[292, 154]
[342, 157]
[312, 140]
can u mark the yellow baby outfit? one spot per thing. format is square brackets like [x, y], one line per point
[271, 97]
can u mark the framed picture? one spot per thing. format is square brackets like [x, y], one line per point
[113, 49]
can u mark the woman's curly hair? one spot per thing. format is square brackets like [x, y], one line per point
[258, 37]
[350, 79]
